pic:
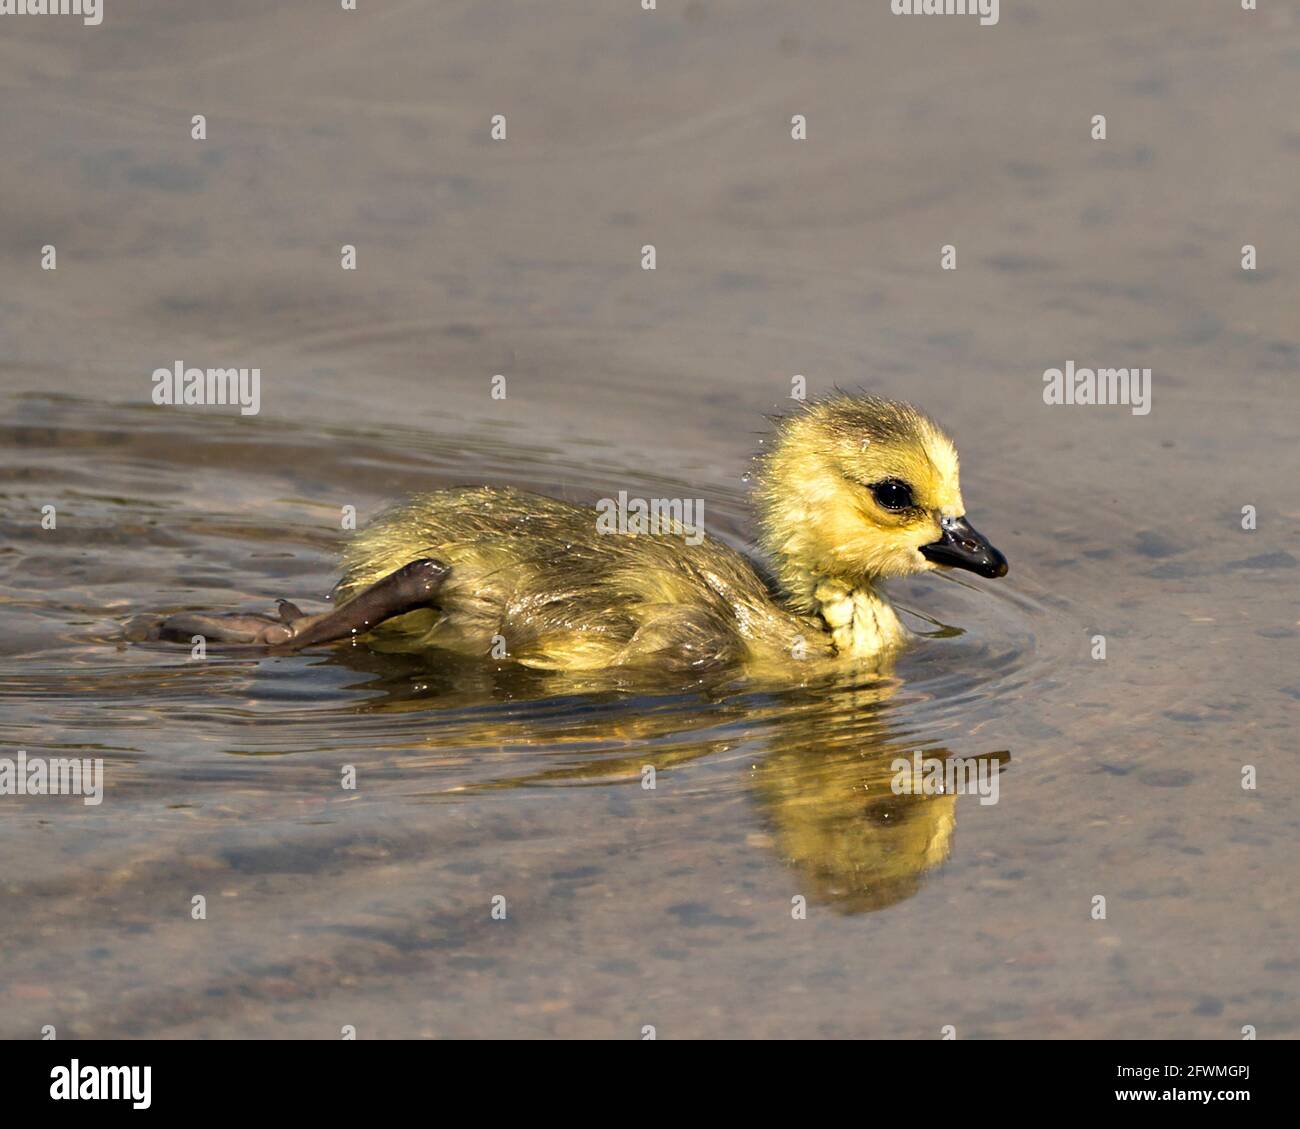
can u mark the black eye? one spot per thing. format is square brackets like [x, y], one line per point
[892, 494]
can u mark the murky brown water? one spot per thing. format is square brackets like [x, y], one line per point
[669, 907]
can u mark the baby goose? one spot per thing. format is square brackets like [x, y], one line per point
[855, 490]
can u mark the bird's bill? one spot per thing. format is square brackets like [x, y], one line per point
[963, 546]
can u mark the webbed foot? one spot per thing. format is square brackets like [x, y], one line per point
[215, 627]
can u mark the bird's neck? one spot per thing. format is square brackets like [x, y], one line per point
[857, 614]
[859, 617]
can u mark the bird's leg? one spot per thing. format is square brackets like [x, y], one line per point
[411, 587]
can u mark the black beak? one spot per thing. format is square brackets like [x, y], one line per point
[962, 546]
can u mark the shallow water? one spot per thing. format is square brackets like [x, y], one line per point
[627, 906]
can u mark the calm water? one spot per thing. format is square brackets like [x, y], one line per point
[670, 907]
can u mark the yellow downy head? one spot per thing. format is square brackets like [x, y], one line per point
[859, 489]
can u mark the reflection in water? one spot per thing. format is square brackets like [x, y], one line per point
[836, 816]
[223, 775]
[823, 756]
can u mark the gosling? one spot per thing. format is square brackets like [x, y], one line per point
[855, 490]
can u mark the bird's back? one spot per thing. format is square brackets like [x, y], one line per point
[535, 580]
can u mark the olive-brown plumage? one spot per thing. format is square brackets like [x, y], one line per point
[532, 577]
